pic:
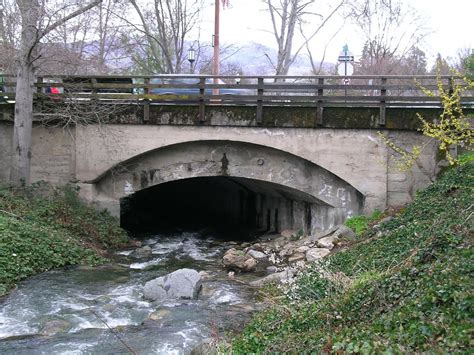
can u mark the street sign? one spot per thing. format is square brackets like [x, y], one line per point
[345, 58]
[345, 69]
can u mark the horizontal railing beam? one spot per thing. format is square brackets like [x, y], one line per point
[380, 91]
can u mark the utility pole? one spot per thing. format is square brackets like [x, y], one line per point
[215, 42]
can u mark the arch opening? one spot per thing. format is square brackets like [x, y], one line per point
[196, 176]
[235, 204]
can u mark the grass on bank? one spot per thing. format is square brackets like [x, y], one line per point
[43, 228]
[408, 289]
[359, 224]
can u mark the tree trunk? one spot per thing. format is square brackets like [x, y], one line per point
[21, 157]
[21, 153]
[31, 35]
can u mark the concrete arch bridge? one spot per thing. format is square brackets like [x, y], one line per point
[299, 153]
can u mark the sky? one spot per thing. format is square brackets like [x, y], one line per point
[449, 23]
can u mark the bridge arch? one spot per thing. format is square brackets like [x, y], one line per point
[302, 194]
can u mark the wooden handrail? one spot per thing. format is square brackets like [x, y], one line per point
[269, 77]
[381, 91]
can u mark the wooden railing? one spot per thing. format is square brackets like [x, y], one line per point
[315, 91]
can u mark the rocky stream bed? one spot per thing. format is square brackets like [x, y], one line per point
[167, 296]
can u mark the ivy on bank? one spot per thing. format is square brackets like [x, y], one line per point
[43, 228]
[405, 290]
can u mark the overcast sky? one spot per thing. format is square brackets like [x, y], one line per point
[450, 23]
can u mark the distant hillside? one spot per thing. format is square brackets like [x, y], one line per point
[245, 58]
[256, 59]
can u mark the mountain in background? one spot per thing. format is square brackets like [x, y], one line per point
[257, 59]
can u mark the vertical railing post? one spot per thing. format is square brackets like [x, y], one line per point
[39, 91]
[95, 97]
[450, 86]
[319, 107]
[202, 107]
[383, 94]
[146, 102]
[259, 100]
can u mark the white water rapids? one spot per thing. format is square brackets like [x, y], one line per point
[83, 310]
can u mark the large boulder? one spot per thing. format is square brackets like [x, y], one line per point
[237, 260]
[316, 253]
[181, 284]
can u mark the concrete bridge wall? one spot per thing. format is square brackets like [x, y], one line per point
[316, 162]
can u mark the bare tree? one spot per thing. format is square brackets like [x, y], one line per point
[36, 24]
[88, 44]
[8, 33]
[108, 28]
[391, 29]
[317, 66]
[165, 27]
[288, 16]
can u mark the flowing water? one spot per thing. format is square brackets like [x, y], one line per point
[83, 310]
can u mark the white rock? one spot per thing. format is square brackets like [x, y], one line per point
[316, 253]
[327, 242]
[181, 284]
[256, 254]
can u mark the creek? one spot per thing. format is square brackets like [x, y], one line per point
[85, 310]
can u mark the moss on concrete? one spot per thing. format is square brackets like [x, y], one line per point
[272, 116]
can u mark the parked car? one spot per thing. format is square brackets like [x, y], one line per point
[190, 87]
